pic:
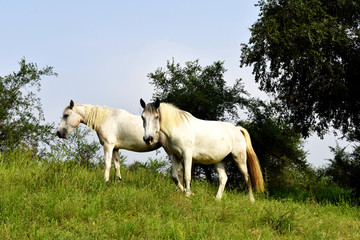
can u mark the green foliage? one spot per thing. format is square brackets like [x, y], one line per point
[202, 91]
[280, 151]
[307, 53]
[63, 200]
[311, 185]
[21, 113]
[344, 169]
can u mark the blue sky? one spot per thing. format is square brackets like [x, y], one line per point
[103, 50]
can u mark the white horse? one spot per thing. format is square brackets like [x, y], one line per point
[205, 142]
[116, 129]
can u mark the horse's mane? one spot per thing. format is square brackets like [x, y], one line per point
[173, 116]
[95, 115]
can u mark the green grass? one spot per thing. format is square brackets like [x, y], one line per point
[57, 200]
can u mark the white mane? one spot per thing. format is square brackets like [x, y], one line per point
[173, 116]
[95, 115]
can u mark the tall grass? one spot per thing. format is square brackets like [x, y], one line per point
[62, 200]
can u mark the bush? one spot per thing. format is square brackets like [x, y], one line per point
[152, 165]
[311, 186]
[76, 148]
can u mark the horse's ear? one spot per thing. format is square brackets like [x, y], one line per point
[71, 104]
[142, 103]
[157, 103]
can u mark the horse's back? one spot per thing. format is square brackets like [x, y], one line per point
[212, 140]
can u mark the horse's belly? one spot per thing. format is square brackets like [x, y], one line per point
[136, 146]
[211, 150]
[206, 158]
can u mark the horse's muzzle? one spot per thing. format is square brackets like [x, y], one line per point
[149, 140]
[60, 135]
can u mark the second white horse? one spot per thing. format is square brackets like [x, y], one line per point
[116, 129]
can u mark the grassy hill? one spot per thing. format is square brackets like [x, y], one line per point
[57, 200]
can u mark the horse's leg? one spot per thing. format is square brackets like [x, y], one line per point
[220, 168]
[240, 160]
[187, 169]
[181, 173]
[108, 151]
[115, 157]
[176, 169]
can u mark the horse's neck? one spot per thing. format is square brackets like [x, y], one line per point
[165, 128]
[81, 110]
[164, 119]
[94, 116]
[171, 118]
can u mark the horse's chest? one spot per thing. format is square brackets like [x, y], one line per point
[176, 147]
[176, 150]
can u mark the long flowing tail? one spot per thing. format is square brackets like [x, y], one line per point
[253, 162]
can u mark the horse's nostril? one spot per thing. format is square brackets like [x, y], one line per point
[148, 140]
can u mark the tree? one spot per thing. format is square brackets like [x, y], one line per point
[307, 54]
[202, 91]
[21, 114]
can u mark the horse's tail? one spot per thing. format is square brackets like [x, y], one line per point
[253, 163]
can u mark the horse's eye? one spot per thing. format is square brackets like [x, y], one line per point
[65, 115]
[156, 117]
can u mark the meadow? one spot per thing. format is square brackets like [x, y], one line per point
[63, 200]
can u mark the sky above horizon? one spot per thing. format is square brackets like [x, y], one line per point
[103, 51]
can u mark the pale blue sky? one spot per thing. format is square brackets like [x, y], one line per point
[103, 50]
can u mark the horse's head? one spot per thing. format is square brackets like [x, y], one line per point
[69, 121]
[151, 121]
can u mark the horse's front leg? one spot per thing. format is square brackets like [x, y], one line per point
[187, 168]
[108, 152]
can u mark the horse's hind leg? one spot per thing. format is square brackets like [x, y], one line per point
[115, 158]
[177, 169]
[220, 168]
[240, 160]
[181, 173]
